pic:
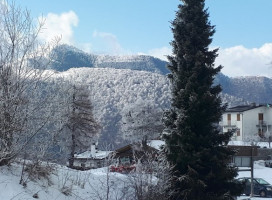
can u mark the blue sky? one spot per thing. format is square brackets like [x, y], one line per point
[243, 28]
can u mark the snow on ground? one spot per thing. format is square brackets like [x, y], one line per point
[64, 184]
[157, 144]
[243, 143]
[96, 154]
[69, 184]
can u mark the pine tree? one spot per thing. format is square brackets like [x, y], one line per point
[82, 125]
[194, 144]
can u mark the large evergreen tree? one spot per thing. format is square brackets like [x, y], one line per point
[194, 144]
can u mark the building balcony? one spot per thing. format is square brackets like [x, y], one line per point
[229, 124]
[262, 124]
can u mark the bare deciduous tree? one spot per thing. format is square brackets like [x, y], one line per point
[81, 124]
[22, 63]
[151, 178]
[141, 121]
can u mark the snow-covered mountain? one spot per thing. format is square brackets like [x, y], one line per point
[246, 89]
[118, 92]
[115, 91]
[66, 57]
[249, 88]
[134, 62]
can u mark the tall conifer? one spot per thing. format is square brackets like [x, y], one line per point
[194, 144]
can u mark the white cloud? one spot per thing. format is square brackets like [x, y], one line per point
[236, 61]
[59, 25]
[86, 47]
[241, 61]
[160, 53]
[109, 43]
[4, 4]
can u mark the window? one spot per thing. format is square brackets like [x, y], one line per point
[261, 132]
[125, 160]
[261, 118]
[238, 117]
[238, 132]
[229, 119]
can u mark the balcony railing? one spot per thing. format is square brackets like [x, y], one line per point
[229, 124]
[262, 123]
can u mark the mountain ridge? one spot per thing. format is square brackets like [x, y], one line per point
[66, 57]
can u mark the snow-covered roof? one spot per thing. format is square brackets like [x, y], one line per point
[243, 108]
[156, 144]
[97, 154]
[242, 143]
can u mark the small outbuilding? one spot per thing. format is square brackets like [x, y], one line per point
[91, 159]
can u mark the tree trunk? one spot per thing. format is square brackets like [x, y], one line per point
[72, 154]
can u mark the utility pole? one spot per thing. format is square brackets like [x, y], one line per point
[251, 172]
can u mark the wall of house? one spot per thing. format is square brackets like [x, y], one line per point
[252, 124]
[233, 124]
[240, 126]
[89, 164]
[249, 123]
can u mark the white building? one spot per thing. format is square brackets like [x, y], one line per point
[248, 121]
[91, 159]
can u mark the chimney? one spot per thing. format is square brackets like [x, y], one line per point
[93, 150]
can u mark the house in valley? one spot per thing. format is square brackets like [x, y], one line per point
[126, 158]
[248, 121]
[91, 159]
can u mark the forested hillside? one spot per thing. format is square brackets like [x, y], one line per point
[115, 92]
[253, 89]
[124, 99]
[248, 88]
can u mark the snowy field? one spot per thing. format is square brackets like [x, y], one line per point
[67, 184]
[64, 184]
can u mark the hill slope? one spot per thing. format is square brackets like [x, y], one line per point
[66, 57]
[96, 184]
[251, 88]
[62, 184]
[114, 90]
